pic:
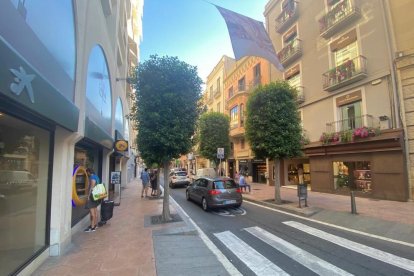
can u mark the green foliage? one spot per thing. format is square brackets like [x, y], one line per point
[272, 125]
[214, 130]
[166, 108]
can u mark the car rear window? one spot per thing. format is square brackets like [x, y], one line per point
[181, 173]
[225, 184]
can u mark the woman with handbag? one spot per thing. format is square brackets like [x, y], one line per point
[90, 203]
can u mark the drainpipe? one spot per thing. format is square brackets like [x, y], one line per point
[397, 90]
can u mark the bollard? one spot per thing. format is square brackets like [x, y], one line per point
[353, 204]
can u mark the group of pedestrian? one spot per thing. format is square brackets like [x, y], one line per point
[148, 178]
[240, 178]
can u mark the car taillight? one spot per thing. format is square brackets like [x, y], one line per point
[214, 192]
[238, 190]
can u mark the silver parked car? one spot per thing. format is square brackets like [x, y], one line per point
[215, 192]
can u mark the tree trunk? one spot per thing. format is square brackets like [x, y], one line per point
[158, 181]
[166, 216]
[278, 199]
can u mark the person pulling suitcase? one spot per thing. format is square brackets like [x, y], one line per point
[107, 211]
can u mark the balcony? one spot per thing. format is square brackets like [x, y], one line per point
[210, 100]
[245, 88]
[300, 96]
[290, 52]
[217, 93]
[351, 71]
[352, 123]
[339, 17]
[288, 15]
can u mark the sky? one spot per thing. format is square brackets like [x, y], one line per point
[192, 30]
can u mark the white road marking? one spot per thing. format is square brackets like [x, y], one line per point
[303, 257]
[333, 225]
[357, 247]
[229, 212]
[259, 264]
[231, 269]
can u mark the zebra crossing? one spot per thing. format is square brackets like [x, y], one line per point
[260, 265]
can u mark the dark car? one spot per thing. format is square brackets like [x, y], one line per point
[215, 192]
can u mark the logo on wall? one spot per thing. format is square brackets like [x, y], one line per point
[121, 145]
[22, 80]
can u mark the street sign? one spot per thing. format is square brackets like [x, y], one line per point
[220, 153]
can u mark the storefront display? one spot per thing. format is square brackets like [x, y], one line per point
[354, 175]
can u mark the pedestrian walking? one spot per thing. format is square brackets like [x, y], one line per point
[145, 178]
[153, 180]
[236, 177]
[90, 203]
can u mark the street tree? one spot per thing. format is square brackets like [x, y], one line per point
[165, 113]
[214, 133]
[273, 126]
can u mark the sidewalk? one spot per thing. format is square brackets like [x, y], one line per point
[129, 244]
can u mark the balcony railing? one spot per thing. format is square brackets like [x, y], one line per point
[246, 88]
[340, 16]
[353, 123]
[288, 15]
[290, 52]
[348, 72]
[300, 96]
[217, 92]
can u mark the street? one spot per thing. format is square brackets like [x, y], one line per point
[259, 241]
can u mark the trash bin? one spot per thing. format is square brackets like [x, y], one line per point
[303, 194]
[107, 210]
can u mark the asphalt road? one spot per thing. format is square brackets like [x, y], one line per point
[259, 241]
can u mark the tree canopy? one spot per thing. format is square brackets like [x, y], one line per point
[168, 91]
[272, 125]
[214, 133]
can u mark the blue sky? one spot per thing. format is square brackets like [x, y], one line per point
[192, 30]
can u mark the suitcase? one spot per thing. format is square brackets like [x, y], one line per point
[107, 210]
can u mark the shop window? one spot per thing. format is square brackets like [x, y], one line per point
[353, 175]
[234, 117]
[257, 74]
[24, 170]
[241, 115]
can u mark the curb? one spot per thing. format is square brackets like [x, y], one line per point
[306, 212]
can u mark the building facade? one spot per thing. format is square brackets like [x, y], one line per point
[63, 103]
[338, 54]
[246, 75]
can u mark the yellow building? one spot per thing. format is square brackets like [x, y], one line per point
[339, 54]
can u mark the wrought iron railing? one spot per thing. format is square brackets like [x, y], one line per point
[246, 87]
[288, 14]
[289, 51]
[338, 14]
[352, 123]
[347, 72]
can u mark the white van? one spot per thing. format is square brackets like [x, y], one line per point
[205, 172]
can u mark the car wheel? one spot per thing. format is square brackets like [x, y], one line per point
[204, 204]
[187, 195]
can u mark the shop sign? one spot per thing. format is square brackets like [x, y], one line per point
[23, 84]
[349, 98]
[121, 145]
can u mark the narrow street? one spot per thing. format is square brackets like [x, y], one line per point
[260, 241]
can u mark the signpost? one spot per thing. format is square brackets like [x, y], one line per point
[220, 155]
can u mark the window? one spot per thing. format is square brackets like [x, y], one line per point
[230, 92]
[242, 84]
[241, 115]
[351, 116]
[257, 74]
[242, 143]
[24, 175]
[234, 117]
[354, 175]
[218, 107]
[211, 92]
[294, 80]
[225, 184]
[346, 53]
[218, 85]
